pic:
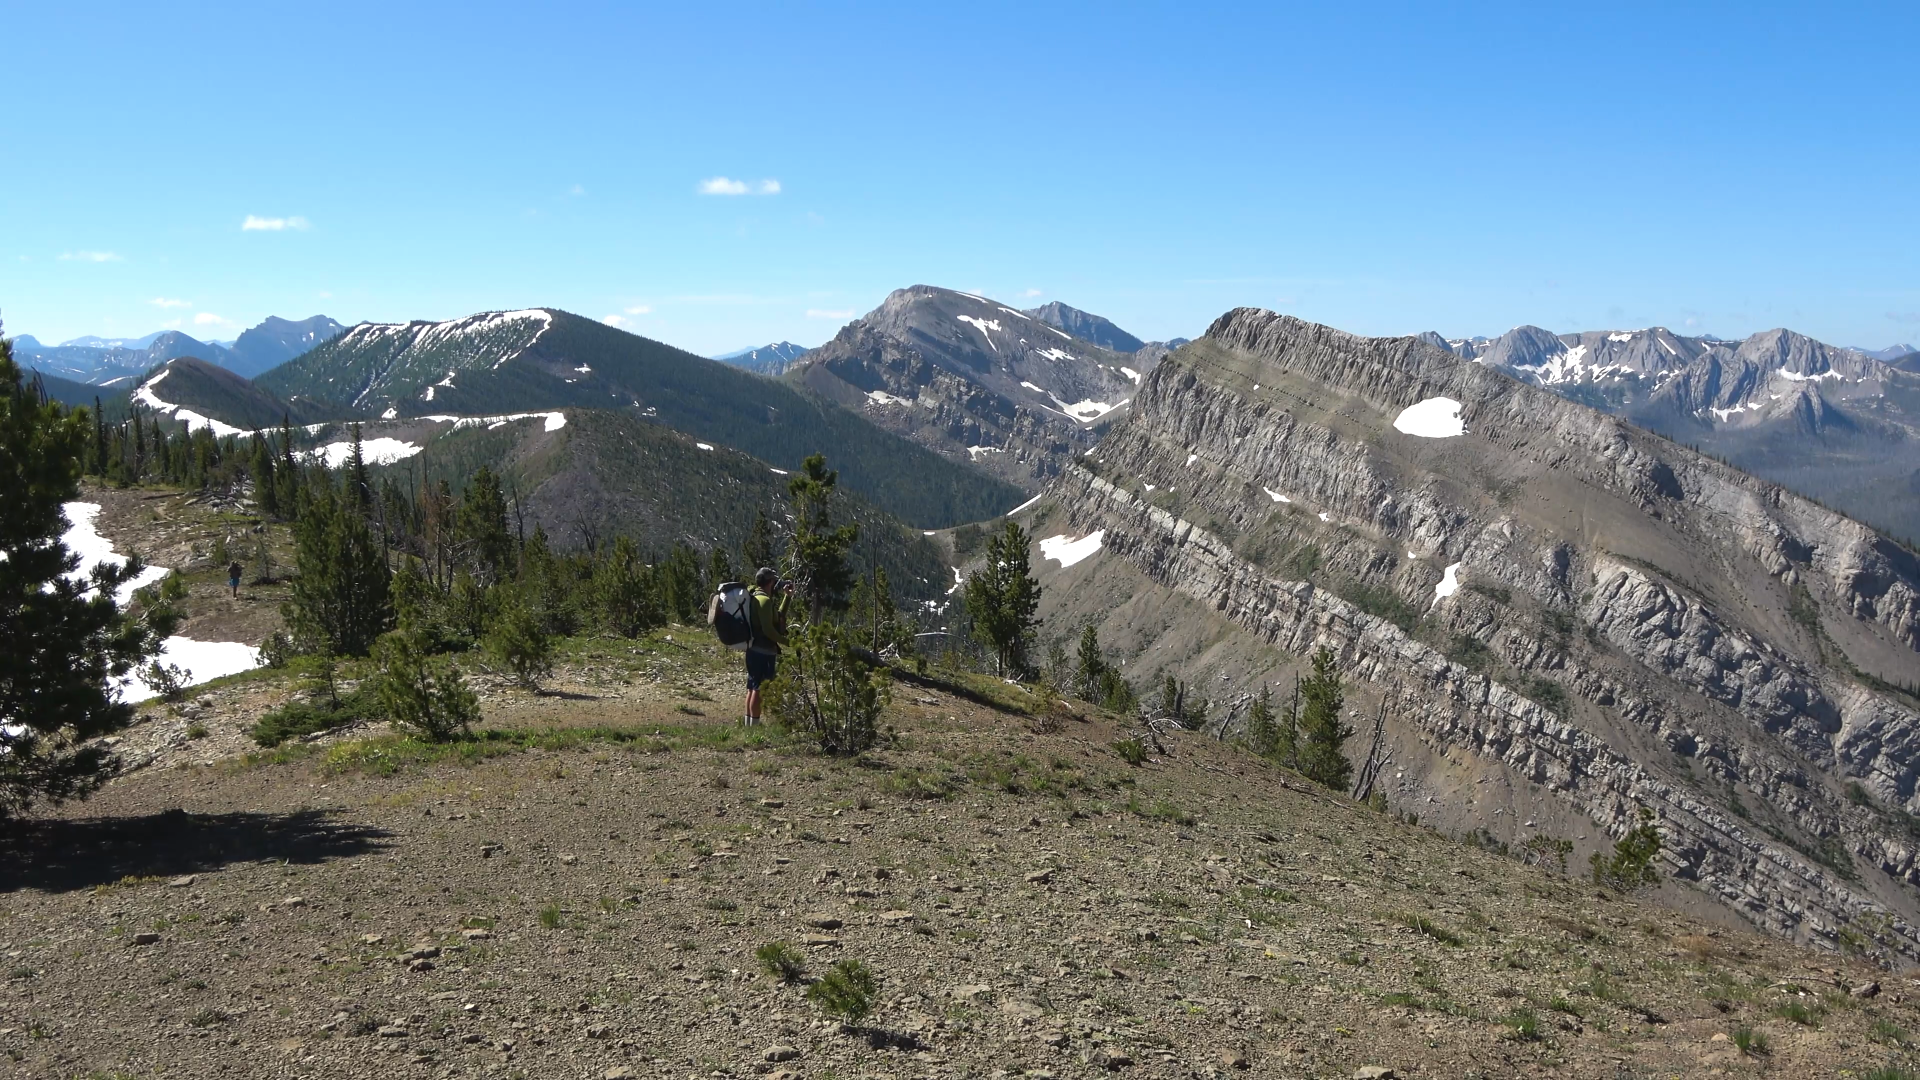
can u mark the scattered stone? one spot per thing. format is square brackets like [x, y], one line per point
[372, 939]
[183, 882]
[1235, 1059]
[896, 916]
[822, 922]
[476, 934]
[1107, 1057]
[1373, 1072]
[569, 859]
[392, 1031]
[599, 1031]
[970, 992]
[1865, 990]
[147, 938]
[782, 1053]
[294, 902]
[1040, 877]
[818, 940]
[619, 1072]
[424, 952]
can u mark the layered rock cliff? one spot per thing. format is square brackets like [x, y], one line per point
[1611, 620]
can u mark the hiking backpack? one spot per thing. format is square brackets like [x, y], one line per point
[730, 613]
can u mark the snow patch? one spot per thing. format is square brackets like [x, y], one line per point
[881, 397]
[1024, 505]
[145, 396]
[381, 451]
[1324, 516]
[84, 540]
[1062, 333]
[1020, 314]
[203, 661]
[1191, 458]
[555, 420]
[1434, 418]
[1067, 552]
[1797, 377]
[1275, 496]
[974, 452]
[1135, 376]
[1620, 337]
[984, 325]
[1054, 354]
[704, 446]
[1449, 582]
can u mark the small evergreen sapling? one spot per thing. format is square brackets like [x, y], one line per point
[848, 991]
[428, 697]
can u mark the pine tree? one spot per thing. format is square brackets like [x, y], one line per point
[480, 529]
[1262, 733]
[287, 478]
[629, 605]
[266, 493]
[431, 699]
[758, 551]
[1089, 664]
[66, 638]
[341, 598]
[819, 550]
[1002, 598]
[516, 640]
[359, 486]
[1322, 732]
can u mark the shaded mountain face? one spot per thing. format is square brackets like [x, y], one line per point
[517, 361]
[276, 341]
[1562, 618]
[1835, 424]
[1088, 327]
[974, 380]
[203, 395]
[1888, 354]
[112, 365]
[767, 359]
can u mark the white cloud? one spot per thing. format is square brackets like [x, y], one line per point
[1033, 292]
[616, 320]
[639, 309]
[721, 185]
[576, 190]
[163, 302]
[90, 256]
[820, 313]
[325, 295]
[256, 223]
[208, 318]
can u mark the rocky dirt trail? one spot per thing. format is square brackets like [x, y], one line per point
[589, 907]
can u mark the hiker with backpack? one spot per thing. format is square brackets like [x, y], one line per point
[754, 621]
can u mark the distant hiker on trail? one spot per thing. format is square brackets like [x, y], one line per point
[233, 578]
[767, 617]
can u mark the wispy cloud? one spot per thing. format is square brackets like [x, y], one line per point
[208, 318]
[823, 313]
[720, 185]
[1030, 293]
[163, 302]
[577, 190]
[638, 309]
[616, 320]
[256, 223]
[90, 256]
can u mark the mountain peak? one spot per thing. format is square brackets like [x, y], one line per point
[1087, 327]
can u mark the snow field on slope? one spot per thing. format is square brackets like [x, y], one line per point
[1067, 552]
[203, 661]
[1434, 418]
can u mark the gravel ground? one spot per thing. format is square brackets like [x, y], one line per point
[1030, 902]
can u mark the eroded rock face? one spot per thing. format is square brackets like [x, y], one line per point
[967, 376]
[1639, 626]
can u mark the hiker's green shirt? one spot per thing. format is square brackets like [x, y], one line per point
[767, 617]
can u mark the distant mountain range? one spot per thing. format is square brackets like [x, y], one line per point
[1834, 423]
[766, 359]
[116, 362]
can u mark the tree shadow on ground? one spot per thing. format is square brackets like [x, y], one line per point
[64, 854]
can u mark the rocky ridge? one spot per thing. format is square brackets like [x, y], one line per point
[970, 377]
[1641, 626]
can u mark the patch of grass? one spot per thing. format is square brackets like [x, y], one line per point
[1886, 1031]
[1400, 999]
[1751, 1041]
[197, 730]
[916, 784]
[1131, 751]
[1523, 1025]
[387, 755]
[1548, 694]
[1891, 1072]
[550, 916]
[1469, 652]
[782, 960]
[1799, 1013]
[1424, 925]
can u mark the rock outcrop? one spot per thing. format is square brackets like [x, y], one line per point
[1614, 621]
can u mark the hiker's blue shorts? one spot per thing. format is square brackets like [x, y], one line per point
[760, 667]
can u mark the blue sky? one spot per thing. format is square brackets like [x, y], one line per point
[1385, 168]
